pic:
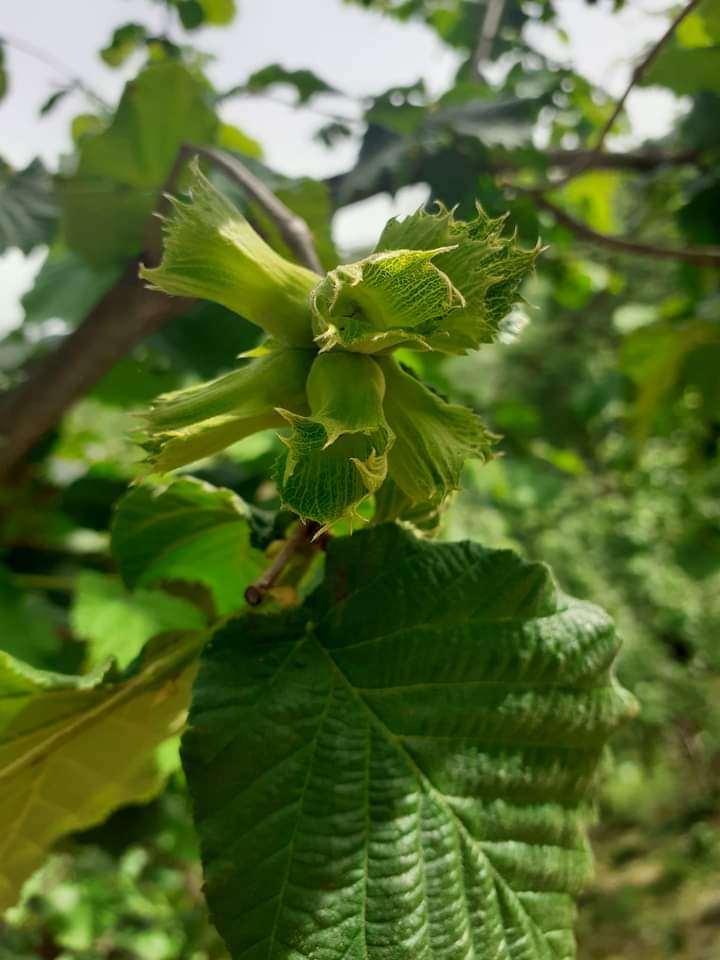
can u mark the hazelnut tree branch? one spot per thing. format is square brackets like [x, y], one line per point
[706, 256]
[640, 70]
[588, 161]
[126, 314]
[488, 31]
[51, 61]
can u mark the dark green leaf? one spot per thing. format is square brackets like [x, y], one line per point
[53, 100]
[207, 340]
[66, 287]
[305, 83]
[125, 41]
[27, 207]
[401, 769]
[191, 13]
[3, 72]
[686, 70]
[332, 133]
[28, 627]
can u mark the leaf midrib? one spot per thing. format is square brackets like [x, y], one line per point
[157, 671]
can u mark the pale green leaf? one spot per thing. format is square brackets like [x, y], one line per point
[218, 12]
[120, 172]
[73, 749]
[652, 356]
[392, 503]
[388, 299]
[234, 139]
[116, 623]
[187, 531]
[401, 770]
[593, 196]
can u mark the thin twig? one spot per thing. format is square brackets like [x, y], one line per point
[641, 161]
[486, 37]
[699, 256]
[640, 71]
[587, 162]
[293, 229]
[50, 60]
[300, 538]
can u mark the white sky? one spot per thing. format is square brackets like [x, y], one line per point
[357, 51]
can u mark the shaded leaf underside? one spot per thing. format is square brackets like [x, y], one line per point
[72, 749]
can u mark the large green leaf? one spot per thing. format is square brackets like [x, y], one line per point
[27, 207]
[72, 749]
[106, 203]
[187, 531]
[401, 769]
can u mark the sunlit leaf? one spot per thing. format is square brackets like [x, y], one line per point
[188, 531]
[72, 749]
[121, 170]
[28, 210]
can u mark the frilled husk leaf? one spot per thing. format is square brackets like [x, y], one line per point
[211, 252]
[393, 504]
[190, 424]
[337, 456]
[471, 280]
[387, 299]
[434, 438]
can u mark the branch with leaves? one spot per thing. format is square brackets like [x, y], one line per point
[591, 158]
[700, 256]
[126, 315]
[640, 70]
